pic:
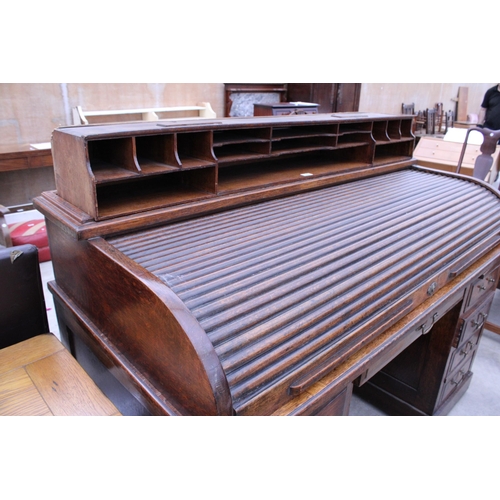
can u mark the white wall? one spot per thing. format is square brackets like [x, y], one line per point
[388, 97]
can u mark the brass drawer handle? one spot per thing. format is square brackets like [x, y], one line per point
[482, 318]
[468, 348]
[426, 329]
[460, 376]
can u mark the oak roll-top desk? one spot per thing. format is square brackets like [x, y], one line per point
[267, 266]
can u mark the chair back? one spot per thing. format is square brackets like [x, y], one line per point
[484, 161]
[408, 109]
[22, 305]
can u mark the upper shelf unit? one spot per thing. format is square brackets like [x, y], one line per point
[113, 170]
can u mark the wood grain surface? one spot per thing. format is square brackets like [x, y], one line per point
[40, 377]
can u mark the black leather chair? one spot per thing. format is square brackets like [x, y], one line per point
[23, 312]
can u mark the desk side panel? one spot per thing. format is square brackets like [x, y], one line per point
[141, 321]
[73, 177]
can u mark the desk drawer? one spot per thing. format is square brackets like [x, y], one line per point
[326, 403]
[439, 151]
[480, 288]
[464, 351]
[458, 378]
[294, 111]
[446, 154]
[472, 324]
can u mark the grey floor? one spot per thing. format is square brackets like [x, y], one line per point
[482, 397]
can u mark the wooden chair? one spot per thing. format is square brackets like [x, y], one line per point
[408, 109]
[484, 162]
[443, 119]
[430, 121]
[22, 305]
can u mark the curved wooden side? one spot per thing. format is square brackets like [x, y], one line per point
[144, 322]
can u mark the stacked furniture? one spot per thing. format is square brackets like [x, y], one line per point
[268, 265]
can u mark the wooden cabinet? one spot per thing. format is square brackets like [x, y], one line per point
[434, 152]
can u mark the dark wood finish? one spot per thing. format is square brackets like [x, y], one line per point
[101, 187]
[291, 257]
[331, 97]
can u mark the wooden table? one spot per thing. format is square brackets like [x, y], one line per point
[40, 377]
[24, 173]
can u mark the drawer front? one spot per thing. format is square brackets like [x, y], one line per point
[444, 151]
[284, 111]
[295, 111]
[327, 404]
[458, 378]
[464, 351]
[480, 288]
[473, 323]
[448, 146]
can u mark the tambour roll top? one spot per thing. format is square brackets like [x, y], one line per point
[283, 287]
